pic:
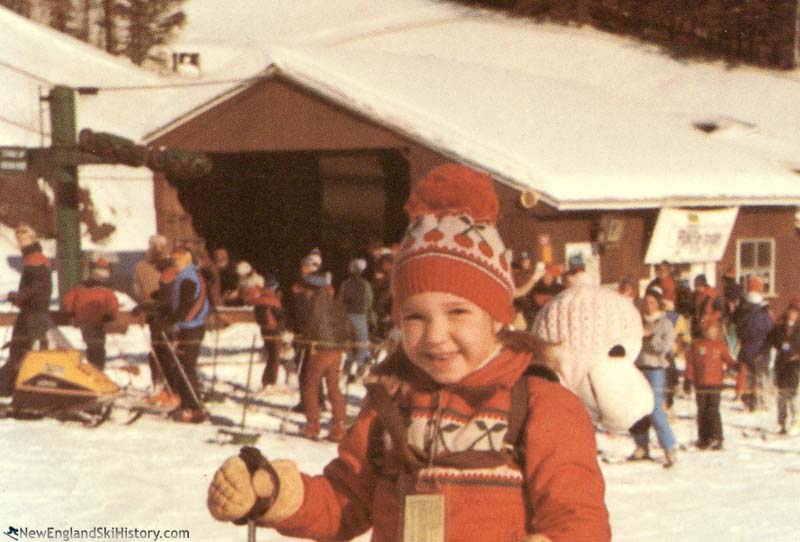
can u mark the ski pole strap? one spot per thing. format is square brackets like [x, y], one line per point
[255, 460]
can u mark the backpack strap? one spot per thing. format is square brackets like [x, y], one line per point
[199, 302]
[518, 407]
[393, 422]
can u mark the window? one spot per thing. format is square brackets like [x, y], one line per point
[756, 258]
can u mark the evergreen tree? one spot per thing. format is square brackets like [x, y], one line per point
[85, 13]
[109, 22]
[128, 27]
[150, 23]
[60, 14]
[23, 7]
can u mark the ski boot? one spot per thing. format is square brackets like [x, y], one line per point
[670, 458]
[641, 453]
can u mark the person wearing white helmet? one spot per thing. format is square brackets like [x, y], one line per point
[146, 279]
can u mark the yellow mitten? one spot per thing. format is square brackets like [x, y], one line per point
[272, 493]
[537, 538]
[231, 495]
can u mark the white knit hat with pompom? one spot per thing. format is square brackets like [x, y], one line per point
[589, 319]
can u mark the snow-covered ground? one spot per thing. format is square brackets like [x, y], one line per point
[154, 474]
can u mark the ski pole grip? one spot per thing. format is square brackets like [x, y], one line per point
[254, 460]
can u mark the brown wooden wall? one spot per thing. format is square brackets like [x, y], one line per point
[773, 223]
[521, 228]
[276, 116]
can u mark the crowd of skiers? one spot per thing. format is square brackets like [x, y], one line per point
[714, 331]
[325, 332]
[308, 326]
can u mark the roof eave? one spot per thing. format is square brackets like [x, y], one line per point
[561, 205]
[658, 203]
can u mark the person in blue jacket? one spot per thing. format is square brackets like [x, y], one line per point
[753, 327]
[186, 299]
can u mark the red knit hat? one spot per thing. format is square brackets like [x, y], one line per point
[452, 244]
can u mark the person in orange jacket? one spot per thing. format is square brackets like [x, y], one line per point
[705, 369]
[429, 448]
[92, 304]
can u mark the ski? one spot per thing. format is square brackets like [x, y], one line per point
[766, 435]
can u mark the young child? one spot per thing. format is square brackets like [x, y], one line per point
[705, 368]
[430, 453]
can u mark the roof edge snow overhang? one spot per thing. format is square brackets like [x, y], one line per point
[620, 205]
[561, 205]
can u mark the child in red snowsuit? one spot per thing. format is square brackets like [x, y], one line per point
[431, 451]
[705, 369]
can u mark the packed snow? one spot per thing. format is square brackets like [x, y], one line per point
[154, 474]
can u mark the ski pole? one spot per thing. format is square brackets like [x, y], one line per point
[214, 356]
[160, 367]
[6, 342]
[182, 373]
[247, 385]
[251, 531]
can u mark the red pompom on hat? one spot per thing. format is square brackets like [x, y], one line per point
[452, 244]
[455, 189]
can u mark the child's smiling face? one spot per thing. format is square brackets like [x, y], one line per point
[446, 335]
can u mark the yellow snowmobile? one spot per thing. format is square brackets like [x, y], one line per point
[59, 384]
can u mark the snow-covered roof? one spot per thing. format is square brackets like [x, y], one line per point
[33, 58]
[235, 43]
[584, 118]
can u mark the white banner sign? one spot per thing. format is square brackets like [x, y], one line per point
[690, 236]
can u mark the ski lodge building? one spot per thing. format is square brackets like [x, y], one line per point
[599, 144]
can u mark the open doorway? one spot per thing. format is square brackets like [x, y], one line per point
[272, 208]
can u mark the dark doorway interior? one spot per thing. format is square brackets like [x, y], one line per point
[272, 208]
